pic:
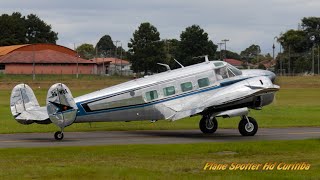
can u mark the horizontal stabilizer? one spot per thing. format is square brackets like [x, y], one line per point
[25, 107]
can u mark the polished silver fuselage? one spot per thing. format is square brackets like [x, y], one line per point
[128, 101]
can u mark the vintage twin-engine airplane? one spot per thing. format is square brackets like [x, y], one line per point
[210, 89]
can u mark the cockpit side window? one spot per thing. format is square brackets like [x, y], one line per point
[235, 71]
[221, 73]
[227, 72]
[230, 73]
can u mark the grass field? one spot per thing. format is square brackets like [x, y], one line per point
[179, 161]
[296, 104]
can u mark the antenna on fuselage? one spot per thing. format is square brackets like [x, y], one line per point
[206, 59]
[165, 65]
[178, 63]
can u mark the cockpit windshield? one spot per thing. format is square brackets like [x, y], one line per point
[234, 70]
[227, 72]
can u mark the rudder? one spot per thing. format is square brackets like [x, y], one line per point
[61, 107]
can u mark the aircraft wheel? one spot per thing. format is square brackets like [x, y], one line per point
[208, 124]
[58, 135]
[248, 128]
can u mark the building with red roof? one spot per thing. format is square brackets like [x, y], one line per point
[269, 64]
[234, 62]
[43, 59]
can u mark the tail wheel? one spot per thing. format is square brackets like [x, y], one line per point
[248, 127]
[208, 124]
[58, 135]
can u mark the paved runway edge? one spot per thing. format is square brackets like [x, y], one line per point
[152, 137]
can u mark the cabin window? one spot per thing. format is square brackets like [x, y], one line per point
[151, 95]
[187, 86]
[169, 91]
[203, 82]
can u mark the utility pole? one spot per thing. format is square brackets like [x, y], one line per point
[273, 51]
[278, 54]
[33, 63]
[289, 69]
[225, 47]
[103, 71]
[115, 59]
[280, 60]
[121, 61]
[77, 55]
[318, 59]
[313, 60]
[312, 38]
[220, 44]
[258, 49]
[96, 67]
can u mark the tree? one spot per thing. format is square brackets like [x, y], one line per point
[17, 29]
[86, 51]
[38, 31]
[251, 53]
[296, 39]
[105, 46]
[297, 46]
[194, 42]
[311, 26]
[12, 29]
[146, 49]
[171, 48]
[229, 54]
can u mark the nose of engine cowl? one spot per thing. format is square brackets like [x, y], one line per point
[271, 75]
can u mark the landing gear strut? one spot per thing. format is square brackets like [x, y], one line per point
[248, 126]
[58, 135]
[208, 124]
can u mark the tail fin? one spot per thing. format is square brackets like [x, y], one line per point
[61, 107]
[24, 105]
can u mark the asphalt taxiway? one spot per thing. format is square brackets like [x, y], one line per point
[152, 137]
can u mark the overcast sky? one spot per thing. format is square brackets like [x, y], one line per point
[244, 22]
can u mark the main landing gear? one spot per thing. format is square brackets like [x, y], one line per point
[248, 126]
[58, 135]
[208, 124]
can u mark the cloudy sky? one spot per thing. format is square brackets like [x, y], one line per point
[244, 22]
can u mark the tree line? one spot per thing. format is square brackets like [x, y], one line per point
[146, 49]
[17, 29]
[300, 48]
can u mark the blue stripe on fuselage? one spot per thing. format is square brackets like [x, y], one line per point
[82, 112]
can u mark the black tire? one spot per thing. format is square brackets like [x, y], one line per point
[208, 128]
[245, 130]
[58, 135]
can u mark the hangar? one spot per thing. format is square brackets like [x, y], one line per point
[43, 59]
